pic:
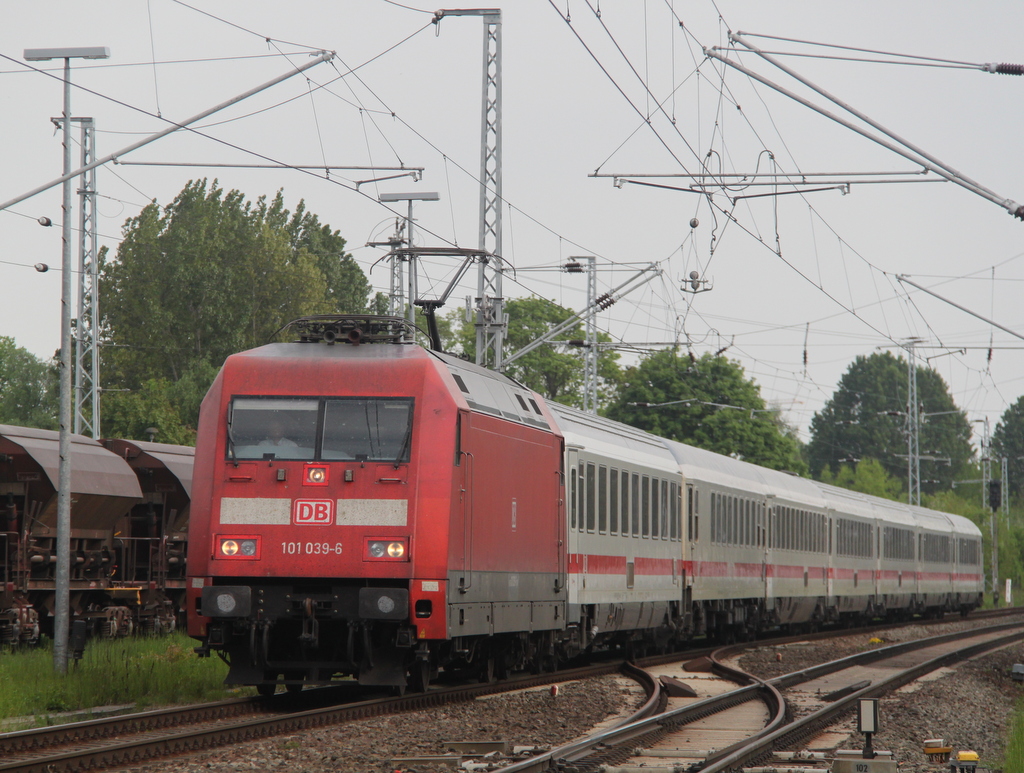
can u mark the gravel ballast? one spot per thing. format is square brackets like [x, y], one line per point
[970, 707]
[533, 718]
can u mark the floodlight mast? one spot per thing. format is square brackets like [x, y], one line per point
[62, 579]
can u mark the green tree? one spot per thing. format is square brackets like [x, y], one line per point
[707, 402]
[866, 418]
[1008, 441]
[867, 476]
[348, 289]
[553, 370]
[129, 415]
[28, 388]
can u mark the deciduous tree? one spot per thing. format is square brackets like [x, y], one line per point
[28, 388]
[1008, 441]
[867, 476]
[707, 402]
[866, 417]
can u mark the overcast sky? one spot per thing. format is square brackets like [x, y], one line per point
[622, 88]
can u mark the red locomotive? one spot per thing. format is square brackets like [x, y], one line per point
[366, 508]
[345, 494]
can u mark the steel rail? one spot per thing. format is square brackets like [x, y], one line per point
[26, 751]
[599, 748]
[38, 739]
[796, 731]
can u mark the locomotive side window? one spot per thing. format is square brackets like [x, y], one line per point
[273, 428]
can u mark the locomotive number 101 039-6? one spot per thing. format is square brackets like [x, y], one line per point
[311, 548]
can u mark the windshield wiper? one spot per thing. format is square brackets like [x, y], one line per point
[405, 444]
[231, 436]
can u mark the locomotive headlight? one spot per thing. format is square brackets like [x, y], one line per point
[239, 548]
[387, 550]
[314, 475]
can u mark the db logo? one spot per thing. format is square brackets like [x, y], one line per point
[313, 511]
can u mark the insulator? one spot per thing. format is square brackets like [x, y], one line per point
[604, 301]
[1009, 69]
[577, 342]
[573, 267]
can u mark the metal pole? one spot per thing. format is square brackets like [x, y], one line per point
[1008, 204]
[413, 294]
[913, 430]
[325, 57]
[62, 602]
[901, 278]
[1006, 489]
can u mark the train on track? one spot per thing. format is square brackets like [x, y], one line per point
[366, 508]
[129, 521]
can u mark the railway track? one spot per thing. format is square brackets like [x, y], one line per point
[114, 741]
[103, 743]
[653, 744]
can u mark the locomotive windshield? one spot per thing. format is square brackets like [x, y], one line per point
[328, 429]
[274, 428]
[367, 428]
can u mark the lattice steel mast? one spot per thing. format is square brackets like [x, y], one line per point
[87, 331]
[913, 429]
[490, 314]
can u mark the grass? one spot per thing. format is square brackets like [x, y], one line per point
[145, 672]
[1014, 762]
